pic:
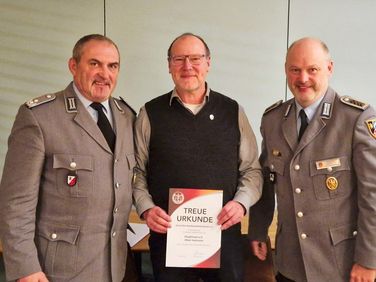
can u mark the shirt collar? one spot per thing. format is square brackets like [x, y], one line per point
[310, 110]
[87, 102]
[176, 95]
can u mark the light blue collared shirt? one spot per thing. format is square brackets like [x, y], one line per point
[93, 112]
[309, 111]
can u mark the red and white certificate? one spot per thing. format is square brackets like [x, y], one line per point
[194, 239]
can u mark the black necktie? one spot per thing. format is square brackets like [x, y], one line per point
[303, 123]
[104, 125]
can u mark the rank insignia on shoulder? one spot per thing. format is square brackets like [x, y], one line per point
[354, 103]
[371, 125]
[40, 100]
[274, 106]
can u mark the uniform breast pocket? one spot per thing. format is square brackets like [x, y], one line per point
[74, 174]
[331, 181]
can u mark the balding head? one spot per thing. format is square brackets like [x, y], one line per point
[308, 68]
[309, 42]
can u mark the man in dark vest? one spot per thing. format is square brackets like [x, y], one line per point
[195, 137]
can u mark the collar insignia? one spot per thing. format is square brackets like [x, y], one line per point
[326, 110]
[70, 104]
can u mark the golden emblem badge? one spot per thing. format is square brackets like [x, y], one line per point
[331, 183]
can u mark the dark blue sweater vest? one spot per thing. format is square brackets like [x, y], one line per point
[193, 151]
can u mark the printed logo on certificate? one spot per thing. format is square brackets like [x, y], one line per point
[194, 238]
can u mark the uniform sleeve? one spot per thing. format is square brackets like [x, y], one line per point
[261, 214]
[364, 163]
[19, 195]
[141, 196]
[250, 176]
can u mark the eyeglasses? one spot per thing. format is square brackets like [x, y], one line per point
[193, 59]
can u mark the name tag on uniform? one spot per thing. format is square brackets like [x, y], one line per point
[325, 164]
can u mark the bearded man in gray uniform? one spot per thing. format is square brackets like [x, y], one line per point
[65, 194]
[324, 177]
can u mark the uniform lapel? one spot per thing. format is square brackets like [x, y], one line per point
[84, 120]
[120, 123]
[289, 125]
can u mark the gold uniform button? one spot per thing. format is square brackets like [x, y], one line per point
[303, 236]
[53, 236]
[73, 165]
[297, 167]
[300, 214]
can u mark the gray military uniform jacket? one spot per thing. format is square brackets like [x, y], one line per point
[325, 186]
[70, 232]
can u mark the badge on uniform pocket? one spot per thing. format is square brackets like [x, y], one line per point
[272, 176]
[72, 178]
[331, 183]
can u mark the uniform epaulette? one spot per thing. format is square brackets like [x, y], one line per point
[129, 107]
[40, 100]
[354, 103]
[274, 106]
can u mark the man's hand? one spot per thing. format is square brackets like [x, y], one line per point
[232, 213]
[35, 277]
[157, 219]
[259, 249]
[362, 274]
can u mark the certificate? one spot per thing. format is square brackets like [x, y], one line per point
[194, 238]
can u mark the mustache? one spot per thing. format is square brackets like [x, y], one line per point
[102, 81]
[301, 84]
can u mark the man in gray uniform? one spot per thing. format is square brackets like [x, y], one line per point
[319, 157]
[194, 137]
[65, 194]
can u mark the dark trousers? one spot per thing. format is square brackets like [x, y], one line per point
[233, 248]
[131, 273]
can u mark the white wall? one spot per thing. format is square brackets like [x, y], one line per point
[248, 40]
[36, 40]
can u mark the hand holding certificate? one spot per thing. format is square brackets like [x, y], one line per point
[194, 239]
